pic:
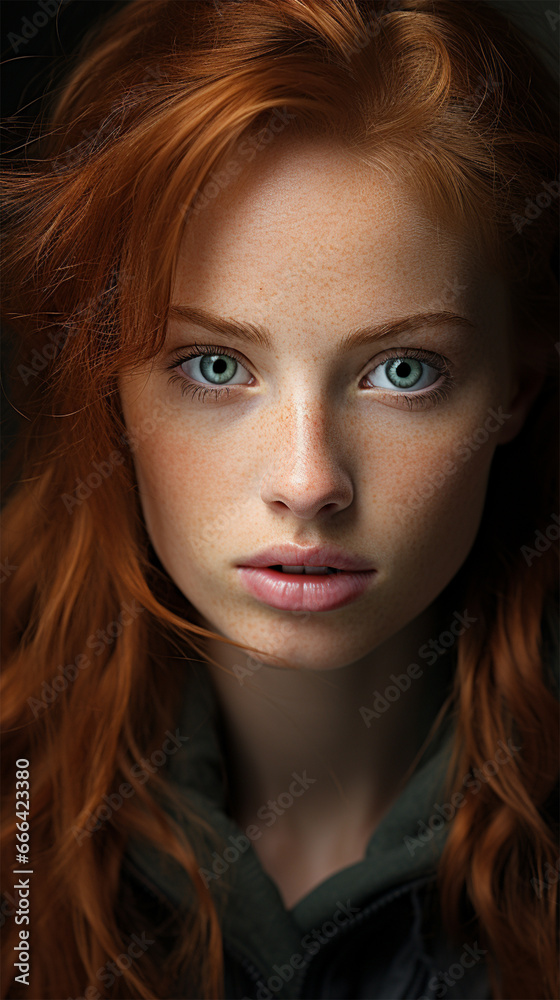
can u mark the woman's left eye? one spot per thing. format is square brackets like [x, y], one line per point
[404, 373]
[409, 370]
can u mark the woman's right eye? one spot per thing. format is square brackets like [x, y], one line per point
[216, 368]
[200, 370]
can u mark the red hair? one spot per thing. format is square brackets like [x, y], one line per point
[455, 102]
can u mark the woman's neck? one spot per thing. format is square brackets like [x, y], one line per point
[342, 740]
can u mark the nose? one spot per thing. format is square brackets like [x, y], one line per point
[305, 472]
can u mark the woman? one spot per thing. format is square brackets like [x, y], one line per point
[280, 284]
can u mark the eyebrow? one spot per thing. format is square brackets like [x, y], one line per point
[259, 336]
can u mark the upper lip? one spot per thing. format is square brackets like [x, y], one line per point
[295, 555]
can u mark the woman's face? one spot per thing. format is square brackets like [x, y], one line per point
[314, 443]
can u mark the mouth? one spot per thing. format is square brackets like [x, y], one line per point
[307, 570]
[304, 588]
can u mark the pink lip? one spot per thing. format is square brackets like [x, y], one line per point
[299, 592]
[296, 555]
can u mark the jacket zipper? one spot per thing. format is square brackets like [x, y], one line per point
[257, 976]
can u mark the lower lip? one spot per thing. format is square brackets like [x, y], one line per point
[302, 592]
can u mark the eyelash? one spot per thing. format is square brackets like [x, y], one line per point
[416, 400]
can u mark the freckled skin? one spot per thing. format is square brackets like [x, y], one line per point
[310, 243]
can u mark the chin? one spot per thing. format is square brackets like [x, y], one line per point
[303, 644]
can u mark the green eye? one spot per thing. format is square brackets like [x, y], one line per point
[212, 367]
[404, 373]
[218, 368]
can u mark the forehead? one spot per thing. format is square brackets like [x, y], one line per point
[307, 226]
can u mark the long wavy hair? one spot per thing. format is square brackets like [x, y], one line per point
[159, 102]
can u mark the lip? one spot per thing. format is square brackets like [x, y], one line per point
[296, 555]
[298, 592]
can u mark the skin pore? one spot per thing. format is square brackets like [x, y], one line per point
[312, 445]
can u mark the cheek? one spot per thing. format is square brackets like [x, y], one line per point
[190, 501]
[435, 494]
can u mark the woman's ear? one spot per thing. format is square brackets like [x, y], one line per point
[525, 390]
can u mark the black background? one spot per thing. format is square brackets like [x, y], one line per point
[26, 72]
